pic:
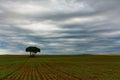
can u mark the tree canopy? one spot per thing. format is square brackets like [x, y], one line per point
[33, 50]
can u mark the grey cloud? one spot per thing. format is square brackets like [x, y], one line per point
[96, 29]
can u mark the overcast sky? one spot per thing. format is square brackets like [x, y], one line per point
[60, 26]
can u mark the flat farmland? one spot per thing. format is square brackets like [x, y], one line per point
[72, 67]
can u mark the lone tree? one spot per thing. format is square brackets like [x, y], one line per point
[33, 50]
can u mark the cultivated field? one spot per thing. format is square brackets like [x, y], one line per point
[82, 67]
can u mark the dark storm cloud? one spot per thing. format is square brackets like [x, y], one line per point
[60, 27]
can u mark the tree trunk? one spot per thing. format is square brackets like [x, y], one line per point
[30, 53]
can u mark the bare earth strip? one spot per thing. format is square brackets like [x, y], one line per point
[12, 75]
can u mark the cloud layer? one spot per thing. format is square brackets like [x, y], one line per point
[60, 26]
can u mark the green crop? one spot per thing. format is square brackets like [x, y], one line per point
[73, 67]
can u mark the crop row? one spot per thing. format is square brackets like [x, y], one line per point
[39, 71]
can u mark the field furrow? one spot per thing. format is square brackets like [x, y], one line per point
[52, 72]
[61, 68]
